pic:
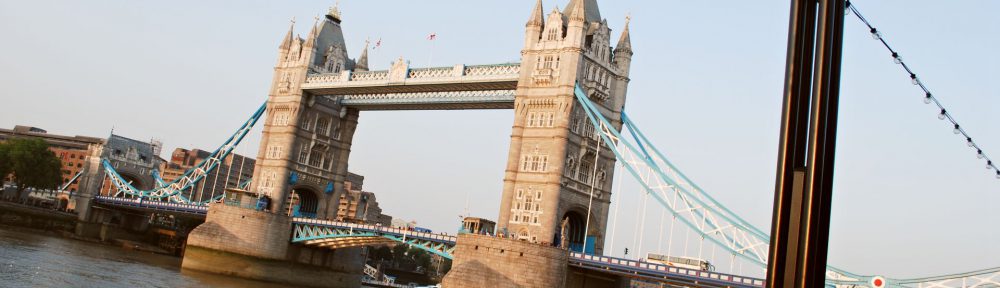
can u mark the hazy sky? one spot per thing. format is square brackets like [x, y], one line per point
[910, 198]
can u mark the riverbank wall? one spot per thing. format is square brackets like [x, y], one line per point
[256, 245]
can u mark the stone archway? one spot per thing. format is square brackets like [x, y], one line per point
[574, 230]
[110, 189]
[304, 202]
[63, 203]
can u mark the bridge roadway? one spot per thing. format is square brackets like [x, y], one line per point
[403, 88]
[332, 234]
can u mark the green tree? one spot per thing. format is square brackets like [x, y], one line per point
[421, 258]
[399, 252]
[381, 253]
[32, 163]
[5, 168]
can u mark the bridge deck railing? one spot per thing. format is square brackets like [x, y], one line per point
[457, 73]
[152, 204]
[631, 265]
[379, 229]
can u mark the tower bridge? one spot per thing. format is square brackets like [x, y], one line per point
[569, 133]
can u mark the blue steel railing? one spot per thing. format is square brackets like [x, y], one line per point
[447, 239]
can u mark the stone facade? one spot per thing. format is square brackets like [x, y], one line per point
[555, 157]
[225, 229]
[486, 261]
[255, 244]
[303, 154]
[231, 173]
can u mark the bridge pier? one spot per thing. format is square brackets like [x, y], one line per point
[255, 244]
[487, 261]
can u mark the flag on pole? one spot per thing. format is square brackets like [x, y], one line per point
[432, 36]
[377, 44]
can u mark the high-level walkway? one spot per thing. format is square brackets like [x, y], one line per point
[443, 88]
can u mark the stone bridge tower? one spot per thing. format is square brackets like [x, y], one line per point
[556, 159]
[302, 161]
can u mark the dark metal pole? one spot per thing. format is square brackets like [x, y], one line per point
[801, 220]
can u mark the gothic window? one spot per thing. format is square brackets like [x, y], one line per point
[268, 182]
[274, 151]
[304, 153]
[322, 125]
[586, 167]
[548, 62]
[526, 208]
[316, 158]
[588, 129]
[541, 119]
[534, 163]
[281, 118]
[336, 130]
[307, 122]
[552, 34]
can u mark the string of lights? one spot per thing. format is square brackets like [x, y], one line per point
[928, 96]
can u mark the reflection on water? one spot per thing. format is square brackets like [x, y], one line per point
[29, 260]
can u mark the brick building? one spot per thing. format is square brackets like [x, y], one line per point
[71, 151]
[358, 205]
[234, 171]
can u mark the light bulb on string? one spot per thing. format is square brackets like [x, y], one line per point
[979, 154]
[957, 129]
[896, 58]
[875, 34]
[998, 174]
[927, 100]
[968, 140]
[914, 80]
[942, 114]
[989, 165]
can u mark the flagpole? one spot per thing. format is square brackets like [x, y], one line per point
[430, 59]
[371, 61]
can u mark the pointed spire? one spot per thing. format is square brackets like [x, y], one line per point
[362, 64]
[334, 13]
[625, 42]
[313, 33]
[591, 13]
[536, 15]
[287, 42]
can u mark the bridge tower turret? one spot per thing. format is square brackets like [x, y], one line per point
[302, 159]
[556, 160]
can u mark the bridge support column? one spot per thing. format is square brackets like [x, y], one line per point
[255, 244]
[487, 261]
[90, 186]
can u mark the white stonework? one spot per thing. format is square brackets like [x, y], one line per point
[555, 159]
[553, 148]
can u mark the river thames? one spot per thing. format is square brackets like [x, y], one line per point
[29, 259]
